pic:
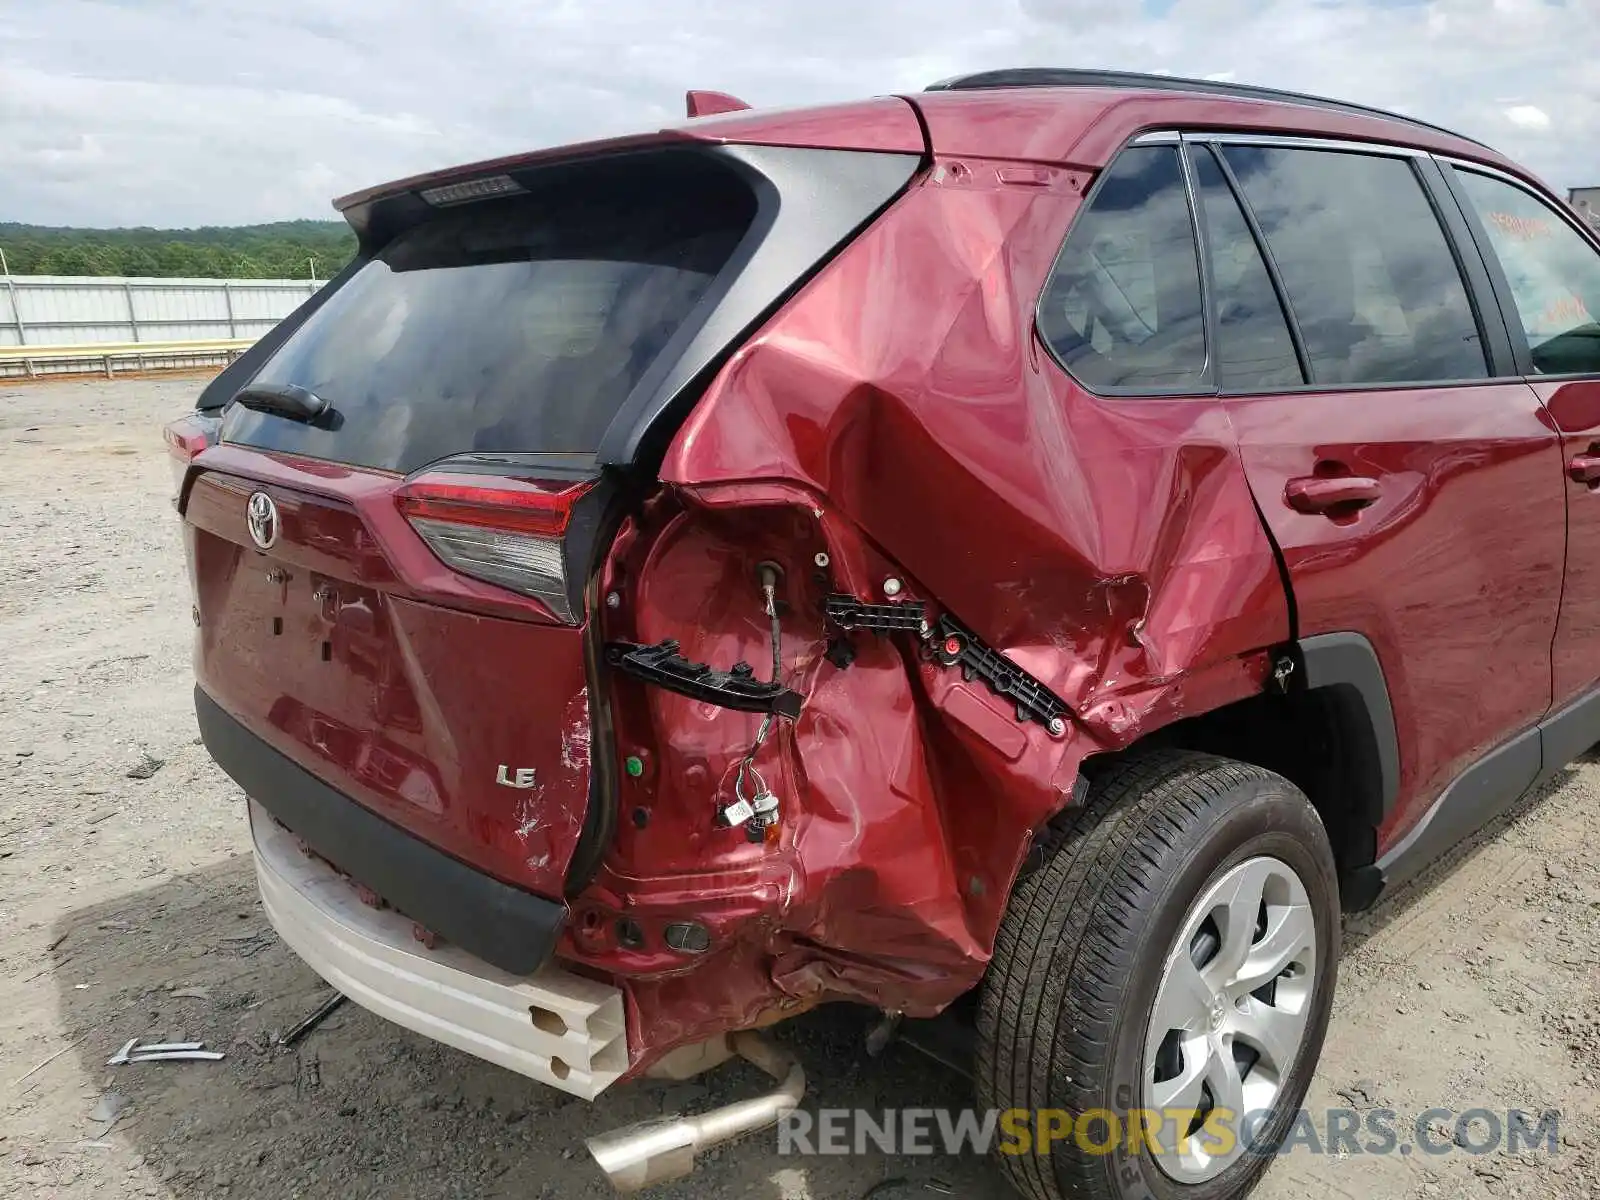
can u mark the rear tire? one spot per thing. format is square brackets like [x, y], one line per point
[1168, 848]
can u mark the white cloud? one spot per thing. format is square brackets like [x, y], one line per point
[180, 112]
[1528, 116]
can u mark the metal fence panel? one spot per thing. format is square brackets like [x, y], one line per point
[55, 310]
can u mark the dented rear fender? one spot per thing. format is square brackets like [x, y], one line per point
[899, 420]
[1109, 545]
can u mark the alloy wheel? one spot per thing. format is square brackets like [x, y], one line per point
[1230, 1014]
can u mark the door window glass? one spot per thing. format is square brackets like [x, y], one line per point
[1554, 274]
[1254, 348]
[1370, 276]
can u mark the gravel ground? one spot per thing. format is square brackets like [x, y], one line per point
[128, 908]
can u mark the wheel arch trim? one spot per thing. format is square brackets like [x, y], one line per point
[1346, 663]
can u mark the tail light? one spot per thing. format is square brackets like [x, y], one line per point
[185, 438]
[509, 532]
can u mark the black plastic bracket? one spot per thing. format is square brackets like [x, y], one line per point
[849, 613]
[738, 689]
[840, 652]
[953, 644]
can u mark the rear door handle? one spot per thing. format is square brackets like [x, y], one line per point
[1584, 468]
[1319, 494]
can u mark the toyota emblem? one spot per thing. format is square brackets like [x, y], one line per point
[261, 515]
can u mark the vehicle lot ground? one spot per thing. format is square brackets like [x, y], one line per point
[128, 908]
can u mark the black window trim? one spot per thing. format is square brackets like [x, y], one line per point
[1481, 277]
[1212, 369]
[1285, 304]
[1522, 354]
[1494, 329]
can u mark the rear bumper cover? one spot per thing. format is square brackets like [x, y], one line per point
[504, 926]
[558, 1028]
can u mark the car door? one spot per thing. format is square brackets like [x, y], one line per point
[1547, 270]
[1415, 496]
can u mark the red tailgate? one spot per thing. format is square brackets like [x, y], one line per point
[467, 726]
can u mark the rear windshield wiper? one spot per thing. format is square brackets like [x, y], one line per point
[284, 399]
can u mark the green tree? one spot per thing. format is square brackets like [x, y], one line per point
[277, 251]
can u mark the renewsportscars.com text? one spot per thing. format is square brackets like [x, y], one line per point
[1339, 1131]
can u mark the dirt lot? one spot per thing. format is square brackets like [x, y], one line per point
[128, 907]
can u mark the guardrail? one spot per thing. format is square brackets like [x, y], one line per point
[32, 362]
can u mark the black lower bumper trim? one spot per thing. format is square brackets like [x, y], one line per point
[504, 926]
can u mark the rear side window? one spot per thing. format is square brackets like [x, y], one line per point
[1370, 277]
[1553, 272]
[1122, 308]
[1254, 348]
[510, 325]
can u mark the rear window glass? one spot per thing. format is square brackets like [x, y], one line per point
[509, 325]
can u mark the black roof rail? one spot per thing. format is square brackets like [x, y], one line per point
[1020, 77]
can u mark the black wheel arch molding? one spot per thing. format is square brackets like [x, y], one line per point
[1343, 669]
[1345, 665]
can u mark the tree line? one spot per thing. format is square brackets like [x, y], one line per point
[282, 250]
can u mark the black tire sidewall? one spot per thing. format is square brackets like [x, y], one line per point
[1266, 817]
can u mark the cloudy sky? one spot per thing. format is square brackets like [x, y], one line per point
[188, 112]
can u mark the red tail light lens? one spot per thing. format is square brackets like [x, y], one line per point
[507, 532]
[185, 438]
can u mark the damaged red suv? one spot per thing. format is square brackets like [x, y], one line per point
[1028, 551]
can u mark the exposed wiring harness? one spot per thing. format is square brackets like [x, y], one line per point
[758, 809]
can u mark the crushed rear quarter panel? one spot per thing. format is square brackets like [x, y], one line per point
[900, 416]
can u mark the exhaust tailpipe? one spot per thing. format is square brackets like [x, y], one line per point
[652, 1152]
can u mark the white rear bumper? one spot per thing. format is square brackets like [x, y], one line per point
[555, 1027]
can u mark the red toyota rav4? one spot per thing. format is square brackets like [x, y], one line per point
[1032, 549]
